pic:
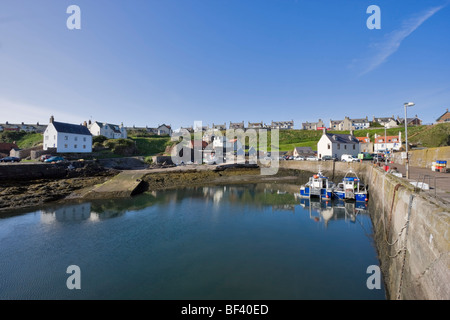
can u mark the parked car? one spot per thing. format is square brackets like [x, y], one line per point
[328, 158]
[377, 157]
[299, 158]
[312, 158]
[54, 159]
[45, 157]
[10, 159]
[349, 158]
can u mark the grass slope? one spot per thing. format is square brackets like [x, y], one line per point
[148, 146]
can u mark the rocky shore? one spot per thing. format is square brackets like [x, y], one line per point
[22, 193]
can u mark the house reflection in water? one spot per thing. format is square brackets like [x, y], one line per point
[327, 211]
[74, 212]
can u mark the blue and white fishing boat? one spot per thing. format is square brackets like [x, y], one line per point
[351, 188]
[318, 186]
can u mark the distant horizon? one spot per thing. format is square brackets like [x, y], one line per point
[178, 61]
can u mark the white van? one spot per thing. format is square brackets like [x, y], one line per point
[348, 158]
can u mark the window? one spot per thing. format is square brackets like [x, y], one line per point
[66, 137]
[65, 146]
[329, 146]
[84, 146]
[339, 146]
[75, 146]
[76, 138]
[345, 147]
[84, 139]
[354, 146]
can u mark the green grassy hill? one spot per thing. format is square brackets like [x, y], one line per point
[148, 146]
[427, 136]
[23, 140]
[433, 136]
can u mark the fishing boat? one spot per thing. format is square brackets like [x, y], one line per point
[317, 186]
[351, 188]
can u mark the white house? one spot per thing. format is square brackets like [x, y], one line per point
[282, 124]
[335, 145]
[388, 122]
[388, 143]
[164, 130]
[110, 131]
[222, 142]
[66, 137]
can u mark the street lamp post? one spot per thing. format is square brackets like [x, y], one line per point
[385, 147]
[407, 104]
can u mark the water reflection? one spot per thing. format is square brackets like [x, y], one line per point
[327, 211]
[75, 212]
[279, 197]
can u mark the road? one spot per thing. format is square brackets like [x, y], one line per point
[439, 182]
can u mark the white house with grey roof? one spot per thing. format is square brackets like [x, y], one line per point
[109, 130]
[67, 138]
[335, 145]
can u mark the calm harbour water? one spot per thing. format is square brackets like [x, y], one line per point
[233, 242]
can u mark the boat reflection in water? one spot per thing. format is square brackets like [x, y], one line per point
[333, 209]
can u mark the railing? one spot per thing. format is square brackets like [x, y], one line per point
[423, 178]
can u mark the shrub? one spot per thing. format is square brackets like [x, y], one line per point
[124, 147]
[99, 139]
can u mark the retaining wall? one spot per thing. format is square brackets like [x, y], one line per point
[425, 157]
[412, 238]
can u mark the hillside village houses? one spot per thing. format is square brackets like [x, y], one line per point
[444, 118]
[110, 131]
[38, 128]
[67, 138]
[358, 124]
[365, 145]
[256, 125]
[319, 125]
[388, 143]
[335, 145]
[349, 124]
[411, 121]
[388, 122]
[164, 130]
[237, 125]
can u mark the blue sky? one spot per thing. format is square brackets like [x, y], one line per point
[178, 61]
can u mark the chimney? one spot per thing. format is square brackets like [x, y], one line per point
[324, 130]
[89, 122]
[52, 119]
[23, 123]
[37, 123]
[84, 124]
[351, 132]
